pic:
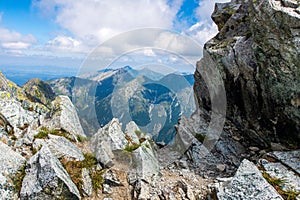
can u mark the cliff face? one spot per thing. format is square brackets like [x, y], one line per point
[257, 53]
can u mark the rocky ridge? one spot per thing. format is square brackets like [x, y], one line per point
[45, 153]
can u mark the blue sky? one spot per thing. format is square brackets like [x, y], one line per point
[63, 32]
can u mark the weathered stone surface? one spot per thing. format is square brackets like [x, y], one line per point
[87, 186]
[111, 179]
[248, 183]
[108, 139]
[61, 147]
[5, 84]
[131, 130]
[257, 54]
[10, 161]
[7, 189]
[46, 178]
[16, 115]
[145, 162]
[291, 181]
[289, 158]
[145, 167]
[65, 117]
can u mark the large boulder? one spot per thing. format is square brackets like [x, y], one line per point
[47, 179]
[62, 147]
[64, 116]
[257, 55]
[145, 167]
[10, 163]
[16, 115]
[108, 140]
[248, 183]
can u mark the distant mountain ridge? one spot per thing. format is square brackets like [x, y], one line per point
[96, 93]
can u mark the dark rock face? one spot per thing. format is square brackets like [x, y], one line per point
[257, 54]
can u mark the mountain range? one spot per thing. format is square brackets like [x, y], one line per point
[154, 101]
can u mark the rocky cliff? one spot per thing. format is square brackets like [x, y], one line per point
[257, 53]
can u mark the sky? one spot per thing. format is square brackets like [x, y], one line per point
[63, 33]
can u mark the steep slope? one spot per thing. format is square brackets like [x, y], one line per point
[257, 53]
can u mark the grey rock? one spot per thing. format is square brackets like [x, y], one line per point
[257, 55]
[87, 186]
[17, 115]
[290, 3]
[106, 189]
[46, 178]
[248, 183]
[108, 139]
[221, 167]
[10, 161]
[111, 179]
[38, 143]
[145, 163]
[4, 84]
[255, 149]
[277, 147]
[289, 158]
[62, 147]
[131, 130]
[7, 189]
[291, 181]
[65, 117]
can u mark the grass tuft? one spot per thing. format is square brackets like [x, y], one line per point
[131, 148]
[199, 137]
[74, 169]
[18, 178]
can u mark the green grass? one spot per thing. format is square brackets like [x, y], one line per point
[74, 169]
[277, 184]
[18, 178]
[131, 148]
[97, 179]
[199, 137]
[44, 132]
[81, 138]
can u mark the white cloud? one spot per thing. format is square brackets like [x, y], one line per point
[64, 43]
[13, 42]
[205, 28]
[15, 45]
[95, 21]
[206, 8]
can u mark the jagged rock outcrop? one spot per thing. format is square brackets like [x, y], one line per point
[257, 54]
[62, 147]
[5, 85]
[248, 183]
[108, 139]
[46, 178]
[146, 166]
[64, 116]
